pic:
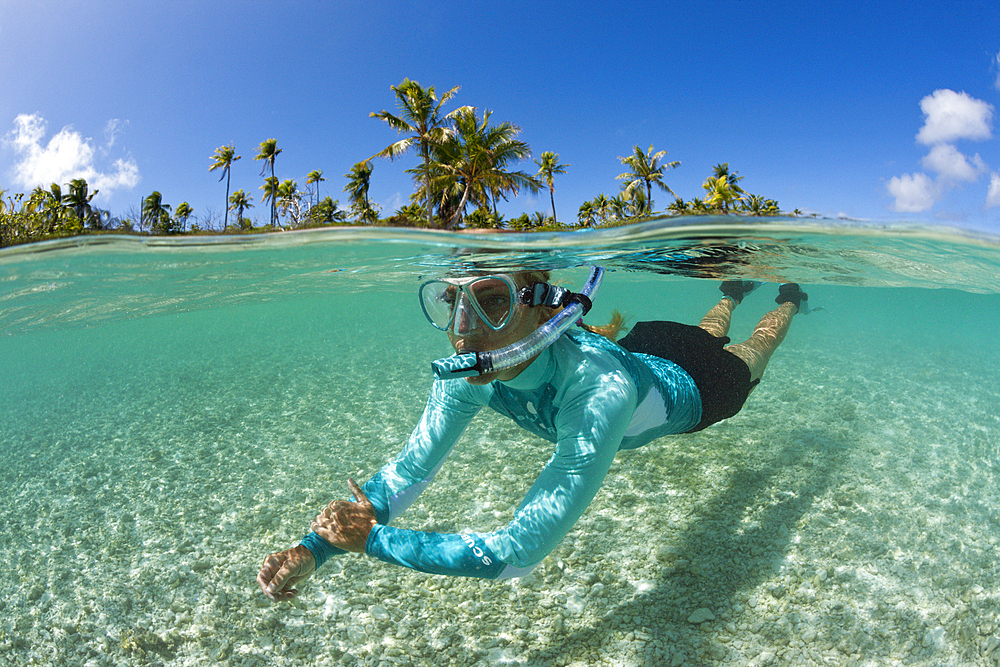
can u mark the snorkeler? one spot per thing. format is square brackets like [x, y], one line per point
[579, 389]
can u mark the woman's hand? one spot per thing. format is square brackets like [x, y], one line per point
[283, 570]
[346, 524]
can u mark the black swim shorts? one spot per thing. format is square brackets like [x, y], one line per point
[722, 378]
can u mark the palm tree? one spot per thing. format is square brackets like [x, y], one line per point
[240, 200]
[50, 203]
[620, 207]
[698, 206]
[722, 188]
[548, 166]
[268, 151]
[79, 198]
[587, 215]
[482, 218]
[645, 169]
[224, 158]
[419, 115]
[157, 213]
[289, 198]
[732, 177]
[36, 201]
[415, 211]
[521, 223]
[182, 214]
[679, 207]
[327, 211]
[358, 181]
[758, 205]
[472, 163]
[317, 178]
[270, 189]
[603, 208]
[721, 193]
[502, 148]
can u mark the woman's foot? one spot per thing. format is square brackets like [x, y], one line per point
[792, 293]
[737, 289]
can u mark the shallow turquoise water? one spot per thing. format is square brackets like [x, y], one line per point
[171, 411]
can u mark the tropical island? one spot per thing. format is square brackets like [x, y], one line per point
[466, 165]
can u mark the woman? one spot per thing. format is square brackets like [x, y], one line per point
[585, 393]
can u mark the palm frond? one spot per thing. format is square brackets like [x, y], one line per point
[401, 147]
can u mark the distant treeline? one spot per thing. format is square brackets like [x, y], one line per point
[466, 164]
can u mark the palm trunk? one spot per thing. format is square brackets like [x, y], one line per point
[274, 199]
[457, 218]
[427, 186]
[225, 220]
[552, 197]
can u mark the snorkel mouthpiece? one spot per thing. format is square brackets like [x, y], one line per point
[480, 363]
[457, 366]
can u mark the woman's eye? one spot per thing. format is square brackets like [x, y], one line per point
[496, 303]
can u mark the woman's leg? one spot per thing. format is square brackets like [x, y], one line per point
[756, 351]
[716, 321]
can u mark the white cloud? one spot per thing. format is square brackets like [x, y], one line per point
[111, 131]
[951, 116]
[993, 194]
[952, 165]
[948, 117]
[66, 156]
[914, 193]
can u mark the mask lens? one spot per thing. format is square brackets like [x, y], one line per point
[489, 299]
[438, 301]
[493, 299]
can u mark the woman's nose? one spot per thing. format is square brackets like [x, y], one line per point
[464, 317]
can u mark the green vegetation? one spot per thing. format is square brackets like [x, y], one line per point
[467, 163]
[548, 167]
[358, 180]
[470, 166]
[420, 115]
[268, 152]
[240, 201]
[224, 158]
[644, 169]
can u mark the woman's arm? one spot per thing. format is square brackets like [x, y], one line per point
[590, 429]
[451, 406]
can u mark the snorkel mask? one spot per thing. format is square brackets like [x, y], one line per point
[461, 305]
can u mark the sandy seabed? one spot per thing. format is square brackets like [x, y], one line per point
[848, 516]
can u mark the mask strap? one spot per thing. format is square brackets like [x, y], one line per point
[544, 294]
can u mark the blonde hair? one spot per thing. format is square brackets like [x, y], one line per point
[612, 330]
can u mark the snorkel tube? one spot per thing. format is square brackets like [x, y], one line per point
[480, 363]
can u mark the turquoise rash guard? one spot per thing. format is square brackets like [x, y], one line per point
[587, 395]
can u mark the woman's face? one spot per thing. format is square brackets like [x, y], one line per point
[524, 322]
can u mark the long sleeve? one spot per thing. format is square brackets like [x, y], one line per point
[451, 406]
[590, 427]
[590, 423]
[574, 395]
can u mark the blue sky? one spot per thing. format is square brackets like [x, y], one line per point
[875, 110]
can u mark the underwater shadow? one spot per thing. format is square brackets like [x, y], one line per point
[722, 554]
